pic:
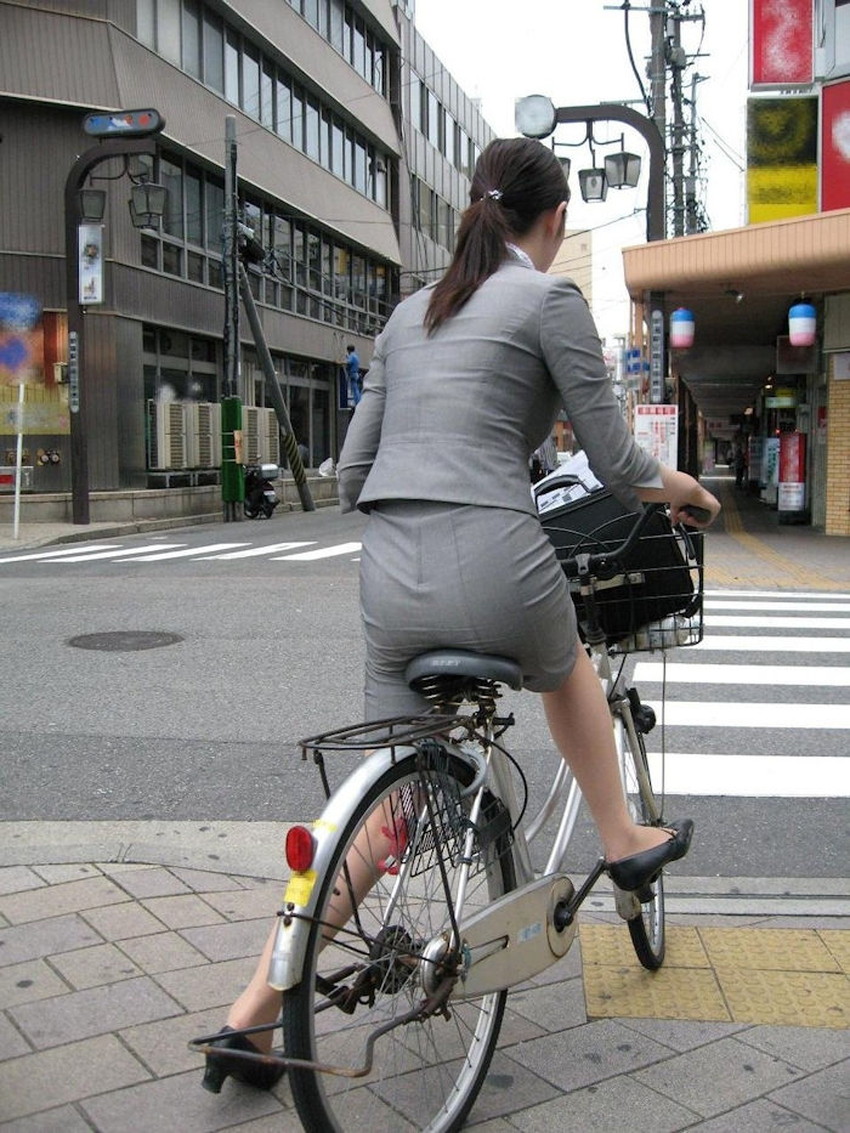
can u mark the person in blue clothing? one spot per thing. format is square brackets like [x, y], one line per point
[352, 370]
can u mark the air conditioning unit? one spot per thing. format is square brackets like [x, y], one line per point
[203, 434]
[253, 434]
[271, 448]
[166, 434]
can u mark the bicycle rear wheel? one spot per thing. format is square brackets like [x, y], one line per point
[647, 927]
[390, 957]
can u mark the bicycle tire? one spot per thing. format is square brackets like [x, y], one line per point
[646, 928]
[425, 1074]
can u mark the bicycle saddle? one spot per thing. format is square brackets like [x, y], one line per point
[463, 663]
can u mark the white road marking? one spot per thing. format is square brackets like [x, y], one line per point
[778, 623]
[774, 644]
[188, 552]
[321, 553]
[754, 776]
[780, 606]
[43, 555]
[711, 714]
[800, 675]
[268, 549]
[819, 595]
[89, 558]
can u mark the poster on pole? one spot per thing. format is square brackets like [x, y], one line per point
[657, 431]
[91, 263]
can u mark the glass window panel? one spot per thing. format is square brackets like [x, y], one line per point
[192, 38]
[360, 167]
[450, 139]
[168, 30]
[358, 47]
[434, 110]
[358, 280]
[267, 94]
[381, 180]
[251, 81]
[215, 214]
[213, 52]
[337, 147]
[215, 275]
[231, 68]
[150, 252]
[415, 101]
[337, 24]
[311, 129]
[281, 242]
[325, 140]
[378, 60]
[299, 254]
[172, 259]
[171, 176]
[283, 123]
[346, 34]
[195, 267]
[146, 22]
[314, 260]
[341, 268]
[323, 26]
[297, 117]
[194, 206]
[311, 12]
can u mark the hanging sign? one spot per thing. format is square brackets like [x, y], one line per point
[91, 263]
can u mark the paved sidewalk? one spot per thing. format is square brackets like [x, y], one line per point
[118, 945]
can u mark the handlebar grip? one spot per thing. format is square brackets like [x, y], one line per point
[700, 514]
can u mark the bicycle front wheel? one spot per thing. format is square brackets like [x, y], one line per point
[381, 968]
[647, 927]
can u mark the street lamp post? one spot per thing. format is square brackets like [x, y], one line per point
[537, 117]
[123, 134]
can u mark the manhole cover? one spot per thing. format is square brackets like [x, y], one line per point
[124, 640]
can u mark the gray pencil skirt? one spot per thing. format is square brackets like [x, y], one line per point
[438, 575]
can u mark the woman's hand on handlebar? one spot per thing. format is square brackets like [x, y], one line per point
[699, 510]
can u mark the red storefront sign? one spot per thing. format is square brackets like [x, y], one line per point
[835, 146]
[782, 42]
[792, 472]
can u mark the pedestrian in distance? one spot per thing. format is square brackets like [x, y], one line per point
[352, 372]
[466, 381]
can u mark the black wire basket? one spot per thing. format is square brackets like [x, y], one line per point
[650, 599]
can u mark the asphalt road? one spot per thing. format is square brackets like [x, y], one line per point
[267, 650]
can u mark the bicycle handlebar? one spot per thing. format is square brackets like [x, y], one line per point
[606, 562]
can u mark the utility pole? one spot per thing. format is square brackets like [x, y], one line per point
[676, 60]
[232, 479]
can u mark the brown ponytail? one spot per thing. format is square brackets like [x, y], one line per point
[515, 180]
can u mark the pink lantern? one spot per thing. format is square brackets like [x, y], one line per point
[681, 329]
[802, 324]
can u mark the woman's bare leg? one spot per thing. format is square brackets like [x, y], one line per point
[383, 836]
[580, 724]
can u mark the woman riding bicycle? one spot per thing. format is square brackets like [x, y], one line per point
[464, 384]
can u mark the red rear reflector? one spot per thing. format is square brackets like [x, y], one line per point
[299, 848]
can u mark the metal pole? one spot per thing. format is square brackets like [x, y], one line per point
[232, 479]
[290, 445]
[112, 147]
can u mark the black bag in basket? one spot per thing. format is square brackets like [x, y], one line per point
[658, 569]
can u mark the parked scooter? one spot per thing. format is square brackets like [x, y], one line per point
[260, 496]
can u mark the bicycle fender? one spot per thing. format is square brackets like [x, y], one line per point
[302, 890]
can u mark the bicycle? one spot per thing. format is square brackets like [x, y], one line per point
[413, 904]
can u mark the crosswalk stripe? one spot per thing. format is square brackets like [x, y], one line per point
[321, 553]
[254, 551]
[123, 553]
[777, 623]
[187, 552]
[834, 676]
[708, 714]
[779, 605]
[41, 555]
[754, 776]
[777, 595]
[721, 642]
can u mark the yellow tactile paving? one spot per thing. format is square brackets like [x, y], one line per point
[788, 950]
[795, 977]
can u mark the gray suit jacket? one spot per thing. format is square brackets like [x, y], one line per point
[454, 416]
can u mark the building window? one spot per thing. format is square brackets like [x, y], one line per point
[213, 52]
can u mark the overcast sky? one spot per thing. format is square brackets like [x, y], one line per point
[575, 52]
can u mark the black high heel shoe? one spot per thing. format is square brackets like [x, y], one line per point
[639, 870]
[261, 1075]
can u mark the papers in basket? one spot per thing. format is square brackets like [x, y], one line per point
[571, 481]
